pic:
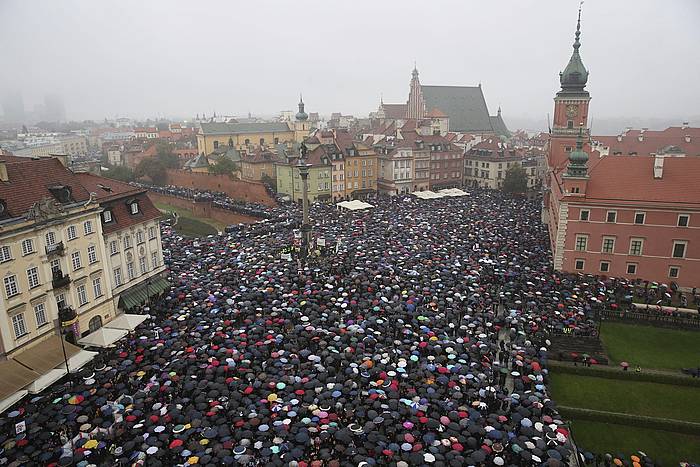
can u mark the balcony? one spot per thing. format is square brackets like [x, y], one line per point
[60, 280]
[55, 249]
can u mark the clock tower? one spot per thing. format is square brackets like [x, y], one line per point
[570, 107]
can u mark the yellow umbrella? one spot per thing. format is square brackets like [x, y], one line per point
[91, 444]
[193, 460]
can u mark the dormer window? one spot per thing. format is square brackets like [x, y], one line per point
[133, 207]
[62, 193]
[107, 216]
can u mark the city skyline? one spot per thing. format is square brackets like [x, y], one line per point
[129, 73]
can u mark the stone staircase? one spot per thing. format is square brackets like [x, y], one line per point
[563, 346]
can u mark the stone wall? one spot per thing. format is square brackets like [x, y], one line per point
[202, 209]
[237, 189]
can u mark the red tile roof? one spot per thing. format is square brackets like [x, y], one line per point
[653, 141]
[631, 179]
[122, 217]
[395, 110]
[106, 188]
[259, 156]
[436, 113]
[29, 182]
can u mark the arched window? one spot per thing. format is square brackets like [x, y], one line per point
[95, 323]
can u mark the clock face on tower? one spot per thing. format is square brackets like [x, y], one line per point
[571, 110]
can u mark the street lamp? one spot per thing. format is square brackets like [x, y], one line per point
[66, 317]
[305, 224]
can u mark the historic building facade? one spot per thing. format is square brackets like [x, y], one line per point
[51, 254]
[462, 109]
[214, 135]
[629, 216]
[131, 239]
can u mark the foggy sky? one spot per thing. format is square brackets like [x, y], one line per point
[155, 58]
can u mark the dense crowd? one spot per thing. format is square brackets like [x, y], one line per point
[420, 338]
[218, 198]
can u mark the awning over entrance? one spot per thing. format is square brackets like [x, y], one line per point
[138, 294]
[79, 360]
[46, 380]
[13, 378]
[12, 400]
[46, 355]
[103, 337]
[127, 321]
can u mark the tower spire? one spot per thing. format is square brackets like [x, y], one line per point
[301, 115]
[578, 158]
[575, 76]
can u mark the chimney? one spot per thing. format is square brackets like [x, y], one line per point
[658, 167]
[619, 138]
[643, 130]
[62, 158]
[3, 172]
[687, 138]
[685, 125]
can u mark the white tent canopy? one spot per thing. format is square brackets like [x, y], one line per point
[453, 192]
[79, 360]
[354, 205]
[46, 380]
[103, 337]
[12, 400]
[127, 321]
[427, 194]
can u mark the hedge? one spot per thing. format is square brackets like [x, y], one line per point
[664, 424]
[629, 375]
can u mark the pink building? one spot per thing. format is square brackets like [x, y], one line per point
[632, 216]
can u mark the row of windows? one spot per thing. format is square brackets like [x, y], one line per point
[108, 217]
[127, 241]
[351, 185]
[445, 176]
[365, 173]
[246, 142]
[639, 217]
[11, 282]
[131, 272]
[636, 246]
[19, 325]
[28, 247]
[630, 268]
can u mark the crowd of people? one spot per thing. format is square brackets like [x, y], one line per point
[420, 338]
[218, 198]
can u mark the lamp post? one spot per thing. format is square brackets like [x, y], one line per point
[305, 224]
[66, 317]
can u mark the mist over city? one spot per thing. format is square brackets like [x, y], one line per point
[177, 59]
[349, 233]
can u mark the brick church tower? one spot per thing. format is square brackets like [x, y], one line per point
[415, 107]
[570, 107]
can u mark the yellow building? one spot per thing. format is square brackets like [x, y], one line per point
[355, 167]
[213, 135]
[289, 181]
[131, 237]
[51, 255]
[258, 164]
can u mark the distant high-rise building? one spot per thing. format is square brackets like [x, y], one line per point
[13, 107]
[54, 109]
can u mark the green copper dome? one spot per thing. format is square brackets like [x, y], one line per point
[301, 115]
[575, 76]
[578, 159]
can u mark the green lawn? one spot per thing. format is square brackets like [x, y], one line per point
[669, 448]
[614, 395]
[651, 347]
[189, 225]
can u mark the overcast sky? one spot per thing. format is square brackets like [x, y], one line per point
[176, 58]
